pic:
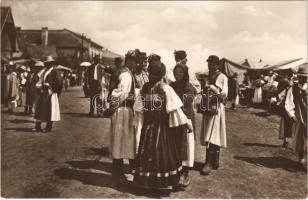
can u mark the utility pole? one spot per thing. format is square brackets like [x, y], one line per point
[81, 57]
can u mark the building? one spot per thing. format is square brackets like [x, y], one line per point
[9, 44]
[68, 47]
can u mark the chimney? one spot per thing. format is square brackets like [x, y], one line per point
[18, 29]
[44, 36]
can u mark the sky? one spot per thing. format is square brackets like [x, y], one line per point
[272, 31]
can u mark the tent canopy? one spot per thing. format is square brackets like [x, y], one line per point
[109, 56]
[230, 68]
[287, 64]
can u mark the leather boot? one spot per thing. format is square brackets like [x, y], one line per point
[216, 159]
[118, 171]
[207, 168]
[30, 110]
[26, 110]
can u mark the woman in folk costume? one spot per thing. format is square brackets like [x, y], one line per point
[257, 96]
[23, 77]
[141, 77]
[286, 123]
[180, 57]
[296, 106]
[187, 93]
[31, 89]
[213, 130]
[121, 100]
[50, 86]
[11, 92]
[160, 153]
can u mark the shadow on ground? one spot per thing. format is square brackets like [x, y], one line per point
[263, 114]
[104, 151]
[79, 115]
[28, 130]
[273, 163]
[103, 180]
[262, 145]
[21, 121]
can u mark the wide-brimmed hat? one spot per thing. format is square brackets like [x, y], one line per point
[213, 58]
[132, 54]
[118, 59]
[180, 54]
[97, 56]
[49, 59]
[39, 64]
[303, 70]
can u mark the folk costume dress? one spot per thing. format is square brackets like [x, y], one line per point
[141, 79]
[285, 127]
[122, 137]
[257, 96]
[213, 129]
[187, 93]
[12, 90]
[296, 105]
[159, 158]
[50, 86]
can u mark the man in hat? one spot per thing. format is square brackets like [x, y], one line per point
[296, 107]
[213, 131]
[180, 57]
[117, 66]
[94, 79]
[11, 92]
[122, 138]
[50, 86]
[31, 90]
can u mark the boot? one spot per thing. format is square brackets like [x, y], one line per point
[207, 168]
[48, 127]
[216, 159]
[118, 171]
[132, 165]
[184, 178]
[30, 110]
[26, 110]
[37, 127]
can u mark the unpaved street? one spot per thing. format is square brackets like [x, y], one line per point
[72, 160]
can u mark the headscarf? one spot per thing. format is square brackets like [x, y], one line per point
[156, 71]
[185, 70]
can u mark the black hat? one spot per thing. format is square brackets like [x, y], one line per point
[132, 54]
[180, 54]
[118, 59]
[213, 58]
[142, 55]
[154, 57]
[97, 57]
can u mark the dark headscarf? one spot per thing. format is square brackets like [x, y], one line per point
[185, 70]
[157, 71]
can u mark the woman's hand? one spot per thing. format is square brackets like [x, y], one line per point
[189, 126]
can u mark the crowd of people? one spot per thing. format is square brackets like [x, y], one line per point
[153, 119]
[37, 87]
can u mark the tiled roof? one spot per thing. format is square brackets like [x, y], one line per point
[58, 38]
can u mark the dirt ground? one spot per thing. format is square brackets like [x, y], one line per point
[72, 161]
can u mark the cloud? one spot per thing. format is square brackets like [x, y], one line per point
[236, 30]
